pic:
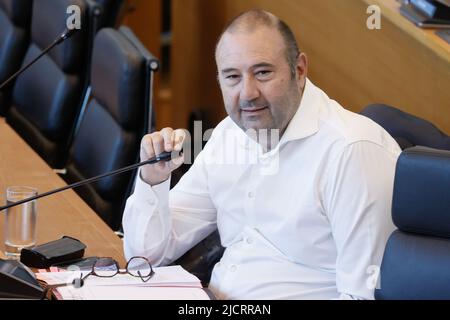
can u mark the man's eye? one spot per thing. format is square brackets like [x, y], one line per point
[263, 73]
[232, 77]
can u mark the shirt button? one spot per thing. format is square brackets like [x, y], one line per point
[251, 195]
[151, 202]
[233, 268]
[249, 240]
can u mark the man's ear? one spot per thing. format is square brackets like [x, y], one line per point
[302, 68]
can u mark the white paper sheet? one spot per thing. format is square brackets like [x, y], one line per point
[168, 283]
[131, 293]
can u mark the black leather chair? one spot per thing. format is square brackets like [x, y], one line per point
[407, 130]
[416, 261]
[114, 122]
[112, 12]
[15, 19]
[47, 97]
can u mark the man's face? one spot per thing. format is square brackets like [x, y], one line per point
[257, 85]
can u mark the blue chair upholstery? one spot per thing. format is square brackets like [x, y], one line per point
[407, 130]
[46, 99]
[115, 120]
[113, 11]
[15, 20]
[416, 261]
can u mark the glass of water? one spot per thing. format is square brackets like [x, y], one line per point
[20, 221]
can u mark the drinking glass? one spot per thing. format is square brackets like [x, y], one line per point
[20, 221]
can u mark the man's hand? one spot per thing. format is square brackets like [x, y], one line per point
[156, 143]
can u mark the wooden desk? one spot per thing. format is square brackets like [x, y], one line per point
[61, 214]
[400, 64]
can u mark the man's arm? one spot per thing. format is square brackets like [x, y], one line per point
[357, 200]
[162, 226]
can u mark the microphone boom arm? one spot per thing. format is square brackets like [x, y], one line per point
[165, 156]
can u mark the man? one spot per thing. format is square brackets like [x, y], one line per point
[309, 218]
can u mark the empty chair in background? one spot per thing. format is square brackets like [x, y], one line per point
[15, 20]
[114, 122]
[47, 97]
[407, 130]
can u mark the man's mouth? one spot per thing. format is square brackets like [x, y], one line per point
[253, 110]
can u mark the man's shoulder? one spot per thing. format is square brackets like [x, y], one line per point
[347, 128]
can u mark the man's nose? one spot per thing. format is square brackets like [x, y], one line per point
[249, 89]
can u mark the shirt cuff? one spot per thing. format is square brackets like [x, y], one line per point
[153, 195]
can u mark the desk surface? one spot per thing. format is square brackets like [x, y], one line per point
[61, 214]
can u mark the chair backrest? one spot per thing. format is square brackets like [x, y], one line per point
[47, 97]
[407, 130]
[113, 124]
[112, 12]
[416, 261]
[15, 19]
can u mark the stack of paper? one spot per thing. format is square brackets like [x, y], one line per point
[168, 283]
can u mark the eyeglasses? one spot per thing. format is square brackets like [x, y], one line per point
[138, 267]
[107, 267]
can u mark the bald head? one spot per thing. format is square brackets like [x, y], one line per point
[252, 20]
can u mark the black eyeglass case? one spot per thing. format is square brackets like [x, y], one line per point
[55, 252]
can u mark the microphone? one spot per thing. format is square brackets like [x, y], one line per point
[165, 156]
[76, 283]
[65, 35]
[61, 38]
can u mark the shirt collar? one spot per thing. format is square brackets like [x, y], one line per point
[305, 121]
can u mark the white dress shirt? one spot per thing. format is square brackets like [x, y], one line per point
[307, 220]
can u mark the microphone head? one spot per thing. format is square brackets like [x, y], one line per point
[167, 156]
[66, 34]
